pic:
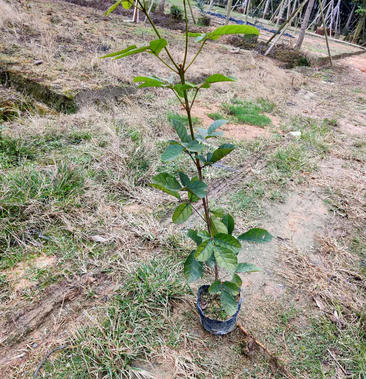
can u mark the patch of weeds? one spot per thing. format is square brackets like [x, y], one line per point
[14, 151]
[359, 150]
[248, 112]
[27, 192]
[311, 349]
[266, 105]
[248, 199]
[136, 325]
[77, 137]
[290, 160]
[42, 276]
[4, 287]
[216, 116]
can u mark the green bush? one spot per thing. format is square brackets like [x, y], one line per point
[176, 12]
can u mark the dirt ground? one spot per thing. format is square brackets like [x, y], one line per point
[65, 259]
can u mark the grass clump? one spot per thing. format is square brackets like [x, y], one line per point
[14, 151]
[137, 324]
[216, 116]
[28, 194]
[247, 112]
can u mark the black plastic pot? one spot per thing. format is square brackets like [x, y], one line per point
[216, 327]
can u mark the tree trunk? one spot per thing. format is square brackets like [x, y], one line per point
[304, 24]
[228, 11]
[161, 7]
[266, 8]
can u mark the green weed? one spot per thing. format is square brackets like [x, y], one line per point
[290, 160]
[136, 324]
[216, 116]
[14, 151]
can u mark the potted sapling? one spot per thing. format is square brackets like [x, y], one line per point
[217, 246]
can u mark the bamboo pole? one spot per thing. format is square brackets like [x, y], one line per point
[304, 24]
[190, 9]
[294, 14]
[325, 32]
[283, 27]
[228, 11]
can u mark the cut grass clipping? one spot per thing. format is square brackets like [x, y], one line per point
[246, 112]
[137, 324]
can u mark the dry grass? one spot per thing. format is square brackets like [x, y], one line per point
[9, 16]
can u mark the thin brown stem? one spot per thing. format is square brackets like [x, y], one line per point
[199, 214]
[197, 54]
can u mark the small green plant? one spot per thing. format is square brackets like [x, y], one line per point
[217, 246]
[176, 12]
[248, 112]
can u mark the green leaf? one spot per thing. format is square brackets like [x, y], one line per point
[149, 81]
[211, 131]
[215, 287]
[157, 45]
[193, 198]
[192, 34]
[204, 251]
[256, 235]
[215, 78]
[181, 88]
[215, 125]
[203, 234]
[182, 213]
[217, 226]
[211, 262]
[184, 179]
[229, 222]
[232, 29]
[180, 129]
[247, 267]
[194, 146]
[167, 183]
[132, 52]
[198, 188]
[226, 240]
[225, 258]
[171, 152]
[110, 55]
[221, 152]
[228, 303]
[193, 270]
[193, 235]
[218, 212]
[127, 4]
[112, 8]
[237, 280]
[231, 288]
